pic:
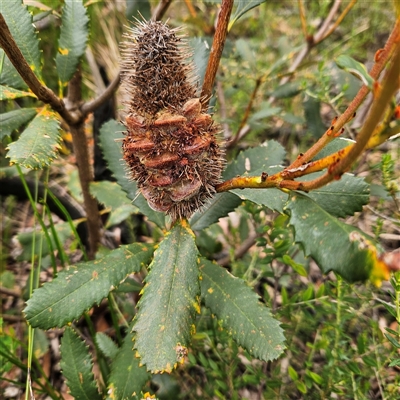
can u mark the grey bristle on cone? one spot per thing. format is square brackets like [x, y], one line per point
[156, 72]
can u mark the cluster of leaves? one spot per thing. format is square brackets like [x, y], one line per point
[180, 276]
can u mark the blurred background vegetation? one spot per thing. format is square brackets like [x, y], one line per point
[336, 346]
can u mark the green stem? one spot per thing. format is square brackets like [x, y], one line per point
[34, 283]
[337, 327]
[70, 221]
[354, 386]
[338, 312]
[37, 215]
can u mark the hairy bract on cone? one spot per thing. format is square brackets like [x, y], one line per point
[171, 147]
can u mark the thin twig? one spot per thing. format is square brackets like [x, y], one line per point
[161, 9]
[380, 135]
[246, 113]
[42, 92]
[81, 152]
[191, 9]
[10, 292]
[216, 50]
[95, 70]
[92, 105]
[302, 13]
[72, 115]
[321, 31]
[12, 318]
[240, 251]
[337, 22]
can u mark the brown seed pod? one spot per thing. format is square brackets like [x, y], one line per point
[171, 147]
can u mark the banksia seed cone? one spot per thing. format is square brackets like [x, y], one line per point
[171, 147]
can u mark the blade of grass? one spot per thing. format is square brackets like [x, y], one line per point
[70, 221]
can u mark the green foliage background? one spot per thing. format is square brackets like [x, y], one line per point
[270, 322]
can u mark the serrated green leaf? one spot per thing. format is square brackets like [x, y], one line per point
[110, 135]
[218, 207]
[76, 364]
[73, 39]
[38, 144]
[19, 21]
[106, 345]
[127, 377]
[81, 286]
[12, 120]
[112, 196]
[112, 152]
[242, 7]
[8, 93]
[9, 75]
[343, 197]
[268, 154]
[240, 312]
[121, 214]
[334, 245]
[165, 320]
[274, 199]
[355, 68]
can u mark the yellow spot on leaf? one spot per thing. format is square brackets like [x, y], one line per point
[111, 392]
[148, 396]
[168, 368]
[210, 290]
[196, 307]
[64, 52]
[162, 328]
